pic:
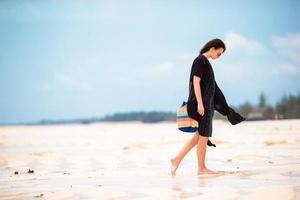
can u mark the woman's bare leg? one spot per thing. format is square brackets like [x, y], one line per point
[185, 149]
[201, 153]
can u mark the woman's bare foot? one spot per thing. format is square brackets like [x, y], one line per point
[174, 166]
[206, 171]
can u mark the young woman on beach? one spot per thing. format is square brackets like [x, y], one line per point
[204, 97]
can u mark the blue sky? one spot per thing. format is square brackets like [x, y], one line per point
[70, 59]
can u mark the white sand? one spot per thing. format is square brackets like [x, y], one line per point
[260, 160]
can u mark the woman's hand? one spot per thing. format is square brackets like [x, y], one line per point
[200, 109]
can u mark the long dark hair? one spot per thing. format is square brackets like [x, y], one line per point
[217, 43]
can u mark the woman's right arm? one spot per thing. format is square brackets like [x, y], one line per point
[197, 89]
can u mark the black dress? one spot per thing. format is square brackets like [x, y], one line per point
[212, 98]
[202, 68]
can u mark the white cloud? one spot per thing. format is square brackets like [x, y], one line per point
[288, 46]
[128, 81]
[162, 68]
[62, 80]
[238, 43]
[180, 62]
[69, 82]
[248, 59]
[187, 56]
[46, 87]
[98, 11]
[233, 72]
[292, 40]
[251, 59]
[237, 63]
[286, 69]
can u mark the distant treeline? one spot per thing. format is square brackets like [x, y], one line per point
[288, 107]
[148, 117]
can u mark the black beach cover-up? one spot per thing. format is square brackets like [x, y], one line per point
[212, 98]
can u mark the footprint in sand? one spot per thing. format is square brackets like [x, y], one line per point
[274, 142]
[236, 173]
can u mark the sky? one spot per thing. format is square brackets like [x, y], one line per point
[77, 59]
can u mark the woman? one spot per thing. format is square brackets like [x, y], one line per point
[204, 97]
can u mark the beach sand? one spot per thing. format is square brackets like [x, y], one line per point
[257, 160]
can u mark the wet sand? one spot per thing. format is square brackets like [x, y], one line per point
[257, 160]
